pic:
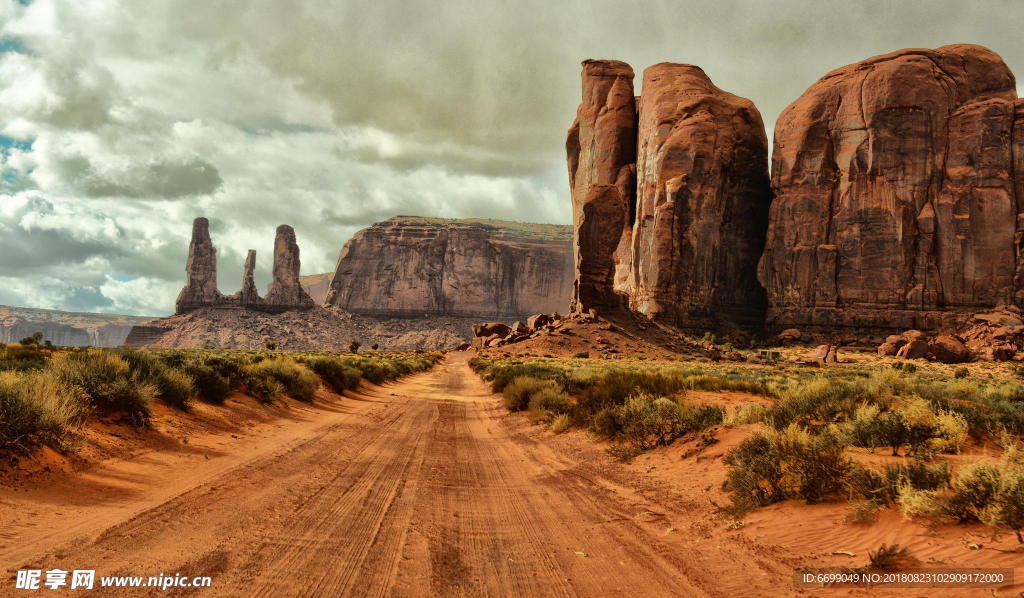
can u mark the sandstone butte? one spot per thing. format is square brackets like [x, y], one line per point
[670, 196]
[895, 202]
[893, 197]
[413, 267]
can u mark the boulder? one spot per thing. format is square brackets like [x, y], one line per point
[463, 347]
[520, 329]
[948, 349]
[895, 203]
[915, 349]
[538, 321]
[601, 154]
[491, 328]
[788, 336]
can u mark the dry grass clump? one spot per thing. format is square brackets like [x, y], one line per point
[282, 374]
[107, 380]
[36, 408]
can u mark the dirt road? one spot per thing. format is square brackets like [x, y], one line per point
[423, 487]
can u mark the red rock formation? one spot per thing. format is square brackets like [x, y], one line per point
[895, 199]
[702, 201]
[285, 292]
[601, 152]
[249, 296]
[200, 270]
[413, 266]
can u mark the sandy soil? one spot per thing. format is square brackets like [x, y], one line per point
[424, 487]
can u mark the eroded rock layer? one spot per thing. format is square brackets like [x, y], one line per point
[896, 204]
[412, 266]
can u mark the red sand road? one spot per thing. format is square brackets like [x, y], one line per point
[424, 487]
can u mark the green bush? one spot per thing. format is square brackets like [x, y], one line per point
[615, 387]
[37, 408]
[297, 381]
[883, 486]
[975, 490]
[336, 372]
[550, 399]
[108, 381]
[775, 465]
[520, 390]
[173, 386]
[210, 385]
[646, 421]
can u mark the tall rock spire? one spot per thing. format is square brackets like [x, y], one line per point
[601, 151]
[285, 292]
[249, 295]
[200, 270]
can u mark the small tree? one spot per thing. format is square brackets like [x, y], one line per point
[271, 345]
[354, 346]
[374, 346]
[35, 339]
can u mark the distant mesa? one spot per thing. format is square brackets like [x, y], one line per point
[412, 266]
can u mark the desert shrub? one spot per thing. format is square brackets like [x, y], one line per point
[21, 358]
[882, 486]
[210, 385]
[1008, 505]
[337, 373]
[173, 386]
[615, 387]
[107, 380]
[560, 423]
[297, 381]
[961, 373]
[819, 401]
[774, 465]
[918, 503]
[646, 421]
[520, 390]
[550, 399]
[914, 424]
[605, 423]
[886, 557]
[864, 512]
[502, 375]
[38, 408]
[974, 491]
[746, 414]
[376, 369]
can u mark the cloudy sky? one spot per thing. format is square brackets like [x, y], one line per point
[122, 120]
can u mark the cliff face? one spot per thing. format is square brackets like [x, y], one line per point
[670, 196]
[71, 329]
[409, 266]
[896, 203]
